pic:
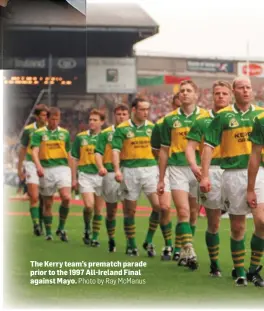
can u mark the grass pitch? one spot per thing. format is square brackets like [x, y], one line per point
[166, 284]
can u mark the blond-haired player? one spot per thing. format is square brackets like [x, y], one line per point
[222, 95]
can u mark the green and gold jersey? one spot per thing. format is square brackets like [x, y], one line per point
[104, 147]
[83, 149]
[155, 137]
[257, 135]
[25, 139]
[176, 127]
[198, 130]
[53, 146]
[231, 129]
[134, 143]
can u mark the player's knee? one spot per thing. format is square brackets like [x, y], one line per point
[213, 227]
[65, 199]
[238, 230]
[34, 199]
[259, 227]
[183, 214]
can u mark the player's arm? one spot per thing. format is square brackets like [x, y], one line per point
[257, 139]
[35, 145]
[21, 158]
[212, 139]
[155, 141]
[194, 140]
[22, 154]
[164, 154]
[75, 155]
[68, 150]
[99, 153]
[117, 145]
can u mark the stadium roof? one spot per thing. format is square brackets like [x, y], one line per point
[43, 15]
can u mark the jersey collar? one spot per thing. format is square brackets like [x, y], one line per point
[132, 124]
[212, 113]
[90, 134]
[196, 111]
[237, 110]
[57, 129]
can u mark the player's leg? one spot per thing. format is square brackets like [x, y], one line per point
[212, 239]
[213, 204]
[65, 195]
[97, 220]
[183, 229]
[32, 181]
[33, 193]
[89, 201]
[47, 216]
[111, 194]
[194, 211]
[41, 212]
[166, 225]
[131, 188]
[154, 221]
[257, 240]
[110, 222]
[129, 208]
[234, 185]
[148, 180]
[62, 177]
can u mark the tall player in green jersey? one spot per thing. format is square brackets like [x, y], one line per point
[111, 188]
[231, 130]
[90, 183]
[222, 95]
[31, 175]
[165, 198]
[51, 155]
[255, 196]
[182, 181]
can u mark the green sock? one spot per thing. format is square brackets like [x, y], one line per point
[238, 256]
[40, 211]
[185, 233]
[153, 225]
[110, 227]
[63, 213]
[130, 231]
[257, 250]
[212, 242]
[178, 239]
[166, 232]
[193, 227]
[34, 212]
[87, 216]
[97, 220]
[48, 223]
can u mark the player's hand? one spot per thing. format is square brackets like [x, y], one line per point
[118, 176]
[205, 185]
[197, 172]
[102, 172]
[21, 175]
[74, 184]
[160, 187]
[40, 171]
[252, 199]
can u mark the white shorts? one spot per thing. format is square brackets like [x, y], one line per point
[55, 178]
[90, 183]
[212, 199]
[259, 186]
[111, 190]
[182, 178]
[167, 181]
[234, 191]
[31, 173]
[137, 179]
